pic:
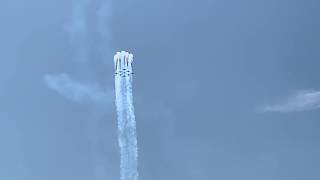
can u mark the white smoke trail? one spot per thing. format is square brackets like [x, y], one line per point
[304, 100]
[104, 19]
[89, 21]
[126, 128]
[78, 92]
[78, 30]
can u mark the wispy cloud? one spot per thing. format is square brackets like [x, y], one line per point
[89, 35]
[78, 92]
[78, 30]
[301, 101]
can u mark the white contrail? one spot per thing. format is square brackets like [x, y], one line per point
[126, 117]
[78, 92]
[78, 30]
[305, 100]
[89, 21]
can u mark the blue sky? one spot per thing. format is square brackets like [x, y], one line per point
[222, 89]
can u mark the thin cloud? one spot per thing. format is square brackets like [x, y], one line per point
[78, 92]
[301, 101]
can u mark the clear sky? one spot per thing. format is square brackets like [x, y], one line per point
[223, 90]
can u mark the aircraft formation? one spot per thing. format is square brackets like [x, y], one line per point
[123, 64]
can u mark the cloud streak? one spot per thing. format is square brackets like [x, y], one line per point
[78, 30]
[301, 101]
[89, 34]
[78, 92]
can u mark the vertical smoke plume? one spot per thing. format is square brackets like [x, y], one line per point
[126, 117]
[89, 21]
[104, 14]
[78, 30]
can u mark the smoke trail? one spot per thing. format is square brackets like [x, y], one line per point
[89, 32]
[78, 30]
[77, 92]
[126, 124]
[127, 129]
[104, 14]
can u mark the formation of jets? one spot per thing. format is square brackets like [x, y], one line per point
[123, 64]
[123, 73]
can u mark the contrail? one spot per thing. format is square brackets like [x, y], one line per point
[78, 30]
[304, 100]
[89, 21]
[78, 92]
[126, 117]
